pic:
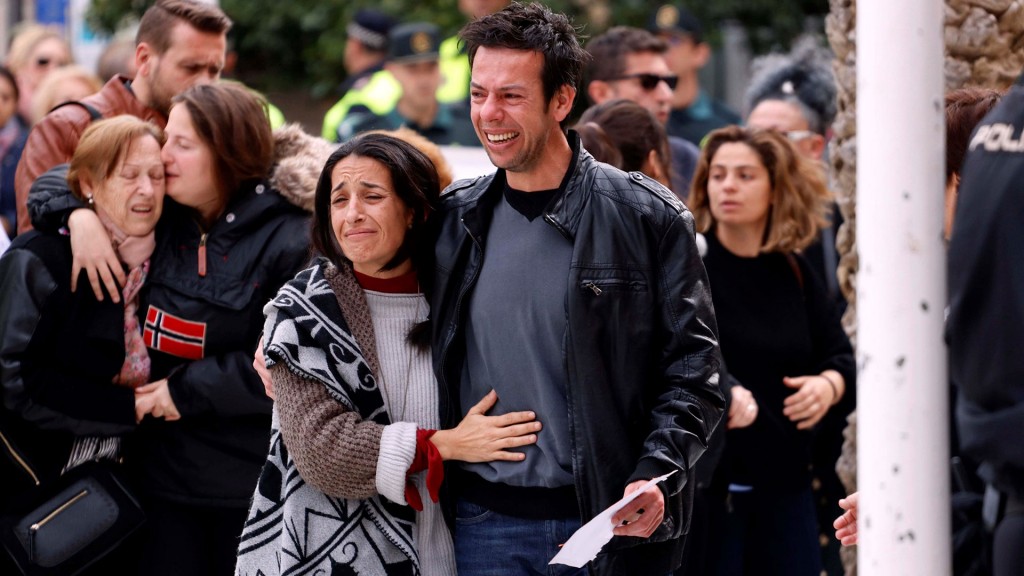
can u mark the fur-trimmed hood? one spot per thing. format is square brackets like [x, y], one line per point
[298, 160]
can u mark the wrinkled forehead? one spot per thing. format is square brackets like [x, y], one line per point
[360, 170]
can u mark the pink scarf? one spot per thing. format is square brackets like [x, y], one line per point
[133, 251]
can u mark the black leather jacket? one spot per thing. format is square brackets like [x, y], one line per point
[59, 353]
[641, 351]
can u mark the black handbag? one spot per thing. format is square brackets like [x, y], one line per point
[73, 521]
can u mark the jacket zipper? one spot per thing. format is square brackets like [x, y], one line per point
[38, 525]
[581, 495]
[21, 461]
[202, 255]
[594, 287]
[551, 220]
[458, 314]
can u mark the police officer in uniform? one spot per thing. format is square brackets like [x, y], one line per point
[368, 86]
[413, 62]
[985, 328]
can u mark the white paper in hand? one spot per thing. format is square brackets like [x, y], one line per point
[592, 536]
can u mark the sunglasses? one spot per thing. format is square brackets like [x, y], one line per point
[650, 81]
[797, 135]
[45, 61]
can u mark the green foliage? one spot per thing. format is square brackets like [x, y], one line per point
[770, 24]
[302, 42]
[111, 15]
[290, 43]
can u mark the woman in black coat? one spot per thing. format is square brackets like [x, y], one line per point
[759, 204]
[69, 362]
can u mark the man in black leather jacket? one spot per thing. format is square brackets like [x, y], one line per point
[985, 328]
[575, 290]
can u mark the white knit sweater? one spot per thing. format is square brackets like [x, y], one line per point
[410, 395]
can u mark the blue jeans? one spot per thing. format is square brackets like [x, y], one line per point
[492, 544]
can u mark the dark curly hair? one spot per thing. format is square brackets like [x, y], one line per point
[532, 27]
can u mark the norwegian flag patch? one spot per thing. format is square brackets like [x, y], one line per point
[173, 335]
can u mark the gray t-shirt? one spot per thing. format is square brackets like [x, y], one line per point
[514, 342]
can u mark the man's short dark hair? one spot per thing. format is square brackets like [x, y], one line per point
[158, 22]
[609, 50]
[535, 28]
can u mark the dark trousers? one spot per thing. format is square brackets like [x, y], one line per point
[770, 533]
[706, 523]
[1008, 546]
[195, 540]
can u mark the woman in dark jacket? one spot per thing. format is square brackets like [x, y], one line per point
[69, 362]
[226, 244]
[759, 203]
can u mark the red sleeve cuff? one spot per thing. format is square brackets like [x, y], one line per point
[426, 458]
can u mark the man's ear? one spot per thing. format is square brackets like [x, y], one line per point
[701, 53]
[817, 146]
[562, 101]
[143, 59]
[599, 91]
[652, 167]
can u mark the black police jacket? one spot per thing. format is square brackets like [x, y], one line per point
[638, 294]
[985, 328]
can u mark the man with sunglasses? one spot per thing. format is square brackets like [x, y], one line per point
[629, 63]
[694, 112]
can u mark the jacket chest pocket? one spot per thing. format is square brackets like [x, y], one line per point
[606, 282]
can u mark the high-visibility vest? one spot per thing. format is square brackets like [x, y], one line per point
[382, 91]
[275, 116]
[379, 94]
[455, 70]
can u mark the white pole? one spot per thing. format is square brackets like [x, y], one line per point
[902, 414]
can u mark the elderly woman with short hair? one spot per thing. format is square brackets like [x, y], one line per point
[70, 363]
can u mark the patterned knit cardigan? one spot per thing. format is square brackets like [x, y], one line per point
[293, 528]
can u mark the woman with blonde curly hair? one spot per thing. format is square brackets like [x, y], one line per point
[760, 203]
